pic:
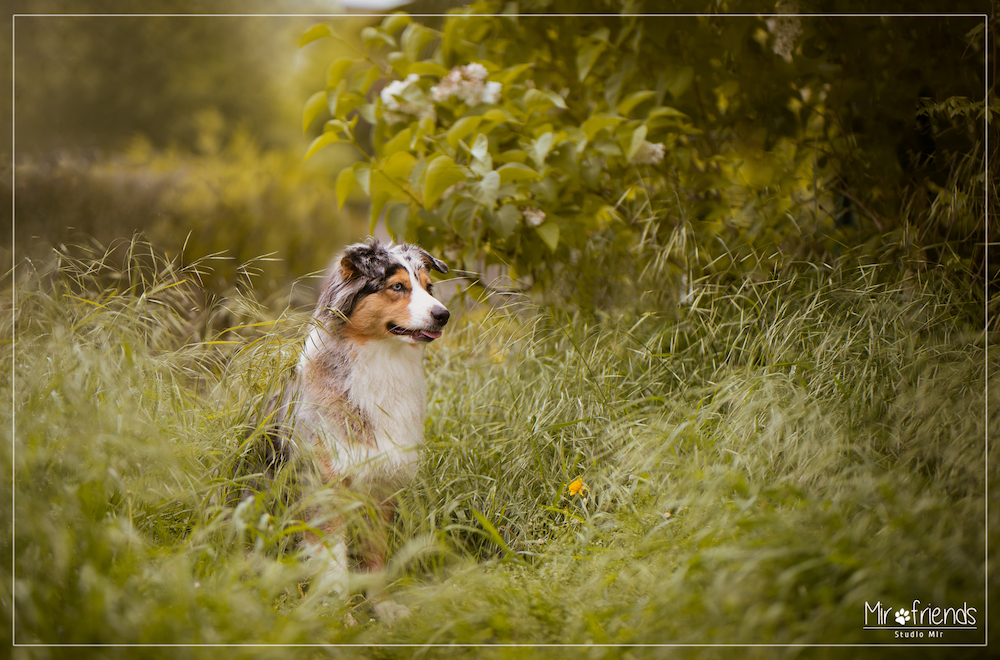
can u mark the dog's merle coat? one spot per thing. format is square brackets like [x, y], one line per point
[362, 271]
[356, 402]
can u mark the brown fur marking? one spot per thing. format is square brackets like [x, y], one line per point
[370, 317]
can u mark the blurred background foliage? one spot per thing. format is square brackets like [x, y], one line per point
[177, 126]
[788, 138]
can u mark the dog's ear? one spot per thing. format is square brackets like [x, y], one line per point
[349, 268]
[338, 296]
[357, 259]
[354, 273]
[430, 262]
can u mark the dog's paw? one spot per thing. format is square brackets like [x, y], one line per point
[389, 611]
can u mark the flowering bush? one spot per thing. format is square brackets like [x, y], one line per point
[534, 141]
[475, 150]
[467, 83]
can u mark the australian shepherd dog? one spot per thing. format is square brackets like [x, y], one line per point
[356, 402]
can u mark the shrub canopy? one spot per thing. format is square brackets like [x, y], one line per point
[502, 137]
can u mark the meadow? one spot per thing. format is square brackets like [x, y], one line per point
[748, 463]
[732, 396]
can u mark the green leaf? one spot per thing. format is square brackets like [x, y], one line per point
[462, 217]
[372, 36]
[413, 40]
[549, 232]
[469, 256]
[512, 156]
[344, 186]
[480, 149]
[535, 99]
[482, 161]
[442, 173]
[396, 220]
[491, 67]
[417, 173]
[665, 111]
[400, 63]
[495, 117]
[516, 172]
[424, 127]
[601, 34]
[540, 148]
[363, 175]
[399, 142]
[315, 32]
[545, 190]
[595, 125]
[364, 83]
[587, 56]
[398, 165]
[312, 108]
[638, 135]
[556, 99]
[335, 72]
[608, 147]
[461, 128]
[395, 22]
[506, 220]
[335, 125]
[679, 82]
[367, 112]
[320, 142]
[633, 100]
[485, 191]
[342, 104]
[511, 74]
[379, 200]
[427, 68]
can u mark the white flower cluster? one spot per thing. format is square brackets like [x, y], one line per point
[785, 30]
[533, 217]
[469, 84]
[649, 153]
[396, 107]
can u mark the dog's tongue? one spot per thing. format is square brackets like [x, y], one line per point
[425, 335]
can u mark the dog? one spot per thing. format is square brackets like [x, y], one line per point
[356, 403]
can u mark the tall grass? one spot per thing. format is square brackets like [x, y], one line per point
[759, 462]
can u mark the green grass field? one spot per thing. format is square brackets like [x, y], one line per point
[759, 463]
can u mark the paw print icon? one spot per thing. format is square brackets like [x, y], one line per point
[902, 617]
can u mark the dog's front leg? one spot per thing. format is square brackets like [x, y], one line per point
[327, 559]
[375, 551]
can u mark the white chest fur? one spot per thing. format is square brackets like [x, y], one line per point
[384, 381]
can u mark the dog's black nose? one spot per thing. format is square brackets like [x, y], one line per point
[441, 315]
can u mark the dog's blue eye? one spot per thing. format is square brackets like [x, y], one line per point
[398, 286]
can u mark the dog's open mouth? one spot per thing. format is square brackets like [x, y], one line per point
[416, 335]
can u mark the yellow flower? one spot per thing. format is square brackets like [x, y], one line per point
[577, 486]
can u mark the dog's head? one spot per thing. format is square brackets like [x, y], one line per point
[378, 291]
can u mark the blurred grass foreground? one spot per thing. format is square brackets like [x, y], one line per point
[759, 465]
[684, 438]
